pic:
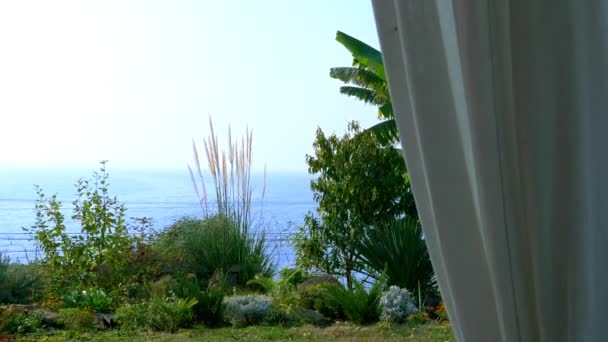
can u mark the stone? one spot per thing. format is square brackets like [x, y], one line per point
[325, 279]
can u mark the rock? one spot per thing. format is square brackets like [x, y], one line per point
[20, 308]
[49, 318]
[105, 320]
[325, 279]
[311, 317]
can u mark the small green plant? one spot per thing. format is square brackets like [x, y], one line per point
[92, 298]
[286, 300]
[19, 283]
[77, 319]
[21, 322]
[170, 314]
[246, 310]
[132, 317]
[314, 297]
[418, 317]
[359, 306]
[294, 276]
[210, 306]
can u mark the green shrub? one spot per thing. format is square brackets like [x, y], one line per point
[398, 251]
[92, 298]
[145, 265]
[77, 319]
[359, 306]
[418, 317]
[132, 316]
[294, 276]
[170, 314]
[202, 246]
[210, 306]
[315, 297]
[98, 256]
[21, 322]
[284, 295]
[19, 283]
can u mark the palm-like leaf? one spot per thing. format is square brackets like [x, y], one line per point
[399, 251]
[365, 95]
[367, 82]
[386, 111]
[359, 77]
[386, 132]
[363, 54]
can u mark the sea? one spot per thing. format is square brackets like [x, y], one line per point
[280, 202]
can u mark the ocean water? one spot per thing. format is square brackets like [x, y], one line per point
[163, 196]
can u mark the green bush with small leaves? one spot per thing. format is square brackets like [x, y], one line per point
[132, 317]
[94, 258]
[21, 322]
[92, 298]
[19, 283]
[77, 319]
[314, 297]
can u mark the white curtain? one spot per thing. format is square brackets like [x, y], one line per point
[502, 108]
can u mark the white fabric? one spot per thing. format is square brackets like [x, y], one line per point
[502, 108]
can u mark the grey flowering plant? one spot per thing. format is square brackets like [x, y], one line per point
[246, 310]
[396, 305]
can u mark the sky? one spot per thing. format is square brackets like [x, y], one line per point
[134, 82]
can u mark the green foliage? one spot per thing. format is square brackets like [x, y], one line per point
[170, 314]
[314, 297]
[20, 322]
[366, 80]
[398, 250]
[202, 246]
[145, 265]
[77, 319]
[210, 307]
[284, 295]
[359, 306]
[294, 276]
[161, 314]
[360, 184]
[19, 283]
[81, 261]
[92, 298]
[418, 318]
[131, 317]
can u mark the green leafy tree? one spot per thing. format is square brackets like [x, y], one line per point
[366, 80]
[360, 184]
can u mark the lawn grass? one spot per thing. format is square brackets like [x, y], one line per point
[430, 332]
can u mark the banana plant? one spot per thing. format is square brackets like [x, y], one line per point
[366, 80]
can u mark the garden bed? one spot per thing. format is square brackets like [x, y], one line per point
[338, 332]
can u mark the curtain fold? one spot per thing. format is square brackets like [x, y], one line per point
[502, 107]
